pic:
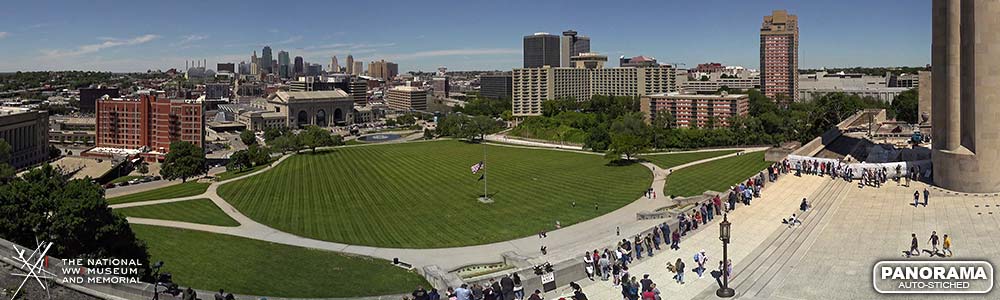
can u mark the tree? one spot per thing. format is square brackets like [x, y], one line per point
[7, 171]
[629, 136]
[54, 152]
[185, 160]
[906, 106]
[239, 161]
[598, 138]
[248, 138]
[44, 205]
[428, 134]
[143, 168]
[287, 142]
[314, 137]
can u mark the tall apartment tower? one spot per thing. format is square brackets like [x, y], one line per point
[334, 66]
[541, 49]
[265, 60]
[570, 45]
[779, 56]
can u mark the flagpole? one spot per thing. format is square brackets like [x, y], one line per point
[486, 195]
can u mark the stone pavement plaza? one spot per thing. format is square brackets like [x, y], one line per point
[829, 256]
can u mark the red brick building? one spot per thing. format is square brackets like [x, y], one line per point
[148, 124]
[695, 110]
[711, 67]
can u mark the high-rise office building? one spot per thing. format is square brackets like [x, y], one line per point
[334, 66]
[265, 60]
[442, 86]
[407, 98]
[284, 64]
[541, 49]
[299, 68]
[89, 96]
[495, 86]
[383, 69]
[570, 45]
[779, 56]
[359, 68]
[350, 65]
[225, 67]
[254, 64]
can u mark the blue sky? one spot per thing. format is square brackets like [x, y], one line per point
[462, 35]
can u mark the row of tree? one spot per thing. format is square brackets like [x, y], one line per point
[311, 137]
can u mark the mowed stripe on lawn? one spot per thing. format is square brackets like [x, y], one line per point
[201, 211]
[717, 175]
[422, 195]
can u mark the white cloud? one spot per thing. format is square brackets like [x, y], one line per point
[290, 40]
[3, 34]
[108, 43]
[188, 39]
[454, 52]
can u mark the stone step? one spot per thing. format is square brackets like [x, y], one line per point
[776, 274]
[769, 260]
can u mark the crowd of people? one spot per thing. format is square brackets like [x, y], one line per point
[507, 288]
[945, 250]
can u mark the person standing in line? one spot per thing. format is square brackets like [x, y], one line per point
[420, 294]
[507, 288]
[679, 266]
[934, 242]
[646, 282]
[914, 248]
[946, 245]
[588, 265]
[605, 266]
[463, 292]
[916, 198]
[927, 195]
[675, 240]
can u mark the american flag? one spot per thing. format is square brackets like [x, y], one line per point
[476, 167]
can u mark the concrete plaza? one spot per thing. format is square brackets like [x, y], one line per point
[829, 256]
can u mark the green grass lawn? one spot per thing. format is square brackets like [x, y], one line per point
[201, 211]
[231, 174]
[211, 261]
[186, 189]
[124, 179]
[716, 175]
[671, 160]
[423, 195]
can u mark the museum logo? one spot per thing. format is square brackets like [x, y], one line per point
[35, 267]
[933, 277]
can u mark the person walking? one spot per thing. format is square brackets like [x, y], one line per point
[679, 266]
[916, 198]
[946, 245]
[934, 242]
[700, 258]
[927, 194]
[914, 248]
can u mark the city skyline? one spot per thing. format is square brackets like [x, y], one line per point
[461, 36]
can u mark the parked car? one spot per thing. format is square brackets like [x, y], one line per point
[157, 177]
[123, 183]
[109, 185]
[133, 181]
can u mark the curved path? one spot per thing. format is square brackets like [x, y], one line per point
[562, 243]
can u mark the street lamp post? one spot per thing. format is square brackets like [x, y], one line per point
[725, 291]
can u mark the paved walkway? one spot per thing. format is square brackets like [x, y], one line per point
[564, 243]
[751, 227]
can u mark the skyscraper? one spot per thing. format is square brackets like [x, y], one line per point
[383, 69]
[350, 64]
[359, 68]
[334, 66]
[779, 56]
[284, 64]
[571, 45]
[299, 66]
[265, 60]
[254, 64]
[541, 49]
